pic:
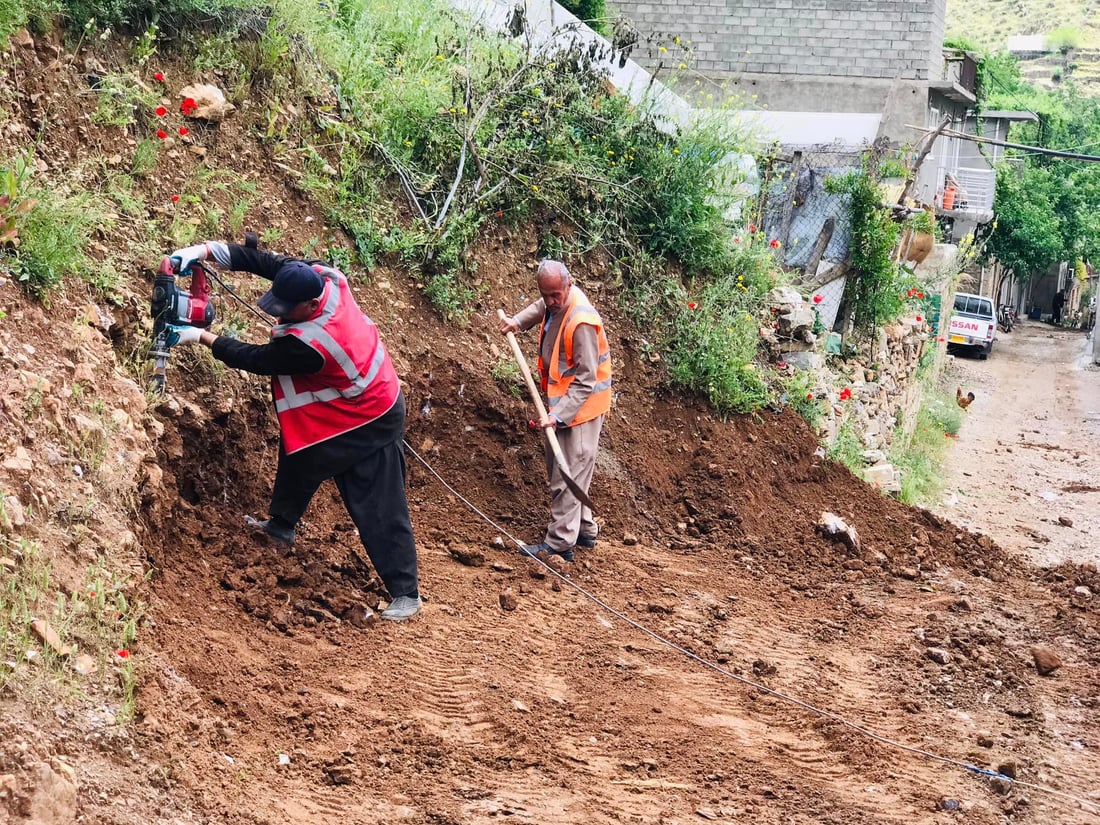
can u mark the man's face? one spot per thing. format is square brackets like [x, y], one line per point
[554, 291]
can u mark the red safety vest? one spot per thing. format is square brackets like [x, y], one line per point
[560, 374]
[356, 385]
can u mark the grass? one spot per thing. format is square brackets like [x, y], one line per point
[847, 448]
[98, 619]
[920, 457]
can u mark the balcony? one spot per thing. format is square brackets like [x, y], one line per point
[972, 198]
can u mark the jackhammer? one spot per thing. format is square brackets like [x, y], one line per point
[172, 304]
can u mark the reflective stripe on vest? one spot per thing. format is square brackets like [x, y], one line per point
[344, 394]
[560, 375]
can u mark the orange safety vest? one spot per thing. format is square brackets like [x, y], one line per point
[560, 374]
[357, 383]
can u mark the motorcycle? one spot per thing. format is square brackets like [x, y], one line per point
[1006, 317]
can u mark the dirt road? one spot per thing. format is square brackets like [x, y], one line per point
[1026, 467]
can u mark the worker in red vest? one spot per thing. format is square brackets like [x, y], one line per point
[340, 407]
[575, 368]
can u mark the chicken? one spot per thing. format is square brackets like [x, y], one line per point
[963, 400]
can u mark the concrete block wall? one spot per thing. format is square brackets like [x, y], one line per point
[838, 38]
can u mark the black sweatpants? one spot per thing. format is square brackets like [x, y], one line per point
[368, 466]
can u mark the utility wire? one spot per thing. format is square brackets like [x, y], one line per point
[1038, 150]
[974, 769]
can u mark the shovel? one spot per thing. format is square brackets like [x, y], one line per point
[555, 447]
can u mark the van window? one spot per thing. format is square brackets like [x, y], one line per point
[973, 305]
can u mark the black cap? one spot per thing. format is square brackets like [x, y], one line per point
[296, 281]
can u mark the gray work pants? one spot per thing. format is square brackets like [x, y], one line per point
[568, 517]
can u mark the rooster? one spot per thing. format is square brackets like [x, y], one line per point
[963, 400]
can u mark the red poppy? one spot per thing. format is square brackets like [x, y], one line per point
[752, 228]
[159, 77]
[809, 396]
[737, 239]
[184, 131]
[91, 594]
[773, 243]
[919, 319]
[775, 325]
[162, 134]
[693, 305]
[818, 299]
[161, 111]
[122, 654]
[920, 295]
[500, 213]
[909, 294]
[782, 365]
[845, 394]
[175, 199]
[188, 106]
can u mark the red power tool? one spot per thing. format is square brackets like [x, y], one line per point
[172, 304]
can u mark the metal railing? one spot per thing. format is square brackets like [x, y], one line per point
[976, 187]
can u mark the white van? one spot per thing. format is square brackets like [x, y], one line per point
[973, 324]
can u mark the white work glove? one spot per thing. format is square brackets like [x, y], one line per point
[184, 258]
[182, 335]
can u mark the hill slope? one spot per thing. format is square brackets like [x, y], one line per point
[991, 22]
[514, 696]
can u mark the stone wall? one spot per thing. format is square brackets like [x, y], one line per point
[885, 39]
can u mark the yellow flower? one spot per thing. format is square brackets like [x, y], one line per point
[683, 65]
[534, 187]
[676, 40]
[675, 151]
[610, 151]
[453, 110]
[662, 49]
[534, 120]
[408, 143]
[538, 91]
[439, 57]
[524, 113]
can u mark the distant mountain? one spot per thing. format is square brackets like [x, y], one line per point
[1068, 29]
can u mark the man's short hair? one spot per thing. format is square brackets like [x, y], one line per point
[548, 264]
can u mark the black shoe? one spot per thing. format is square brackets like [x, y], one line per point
[533, 551]
[586, 542]
[275, 527]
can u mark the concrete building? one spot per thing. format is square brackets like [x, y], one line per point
[876, 58]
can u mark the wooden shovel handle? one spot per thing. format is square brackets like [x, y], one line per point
[536, 396]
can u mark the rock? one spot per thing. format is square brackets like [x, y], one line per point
[833, 526]
[984, 740]
[1008, 769]
[1065, 522]
[1081, 590]
[467, 555]
[500, 567]
[52, 797]
[629, 539]
[762, 667]
[1000, 785]
[210, 103]
[1019, 710]
[910, 573]
[341, 774]
[508, 600]
[19, 461]
[1046, 660]
[11, 513]
[84, 373]
[947, 804]
[939, 655]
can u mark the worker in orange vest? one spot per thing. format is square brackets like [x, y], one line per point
[575, 368]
